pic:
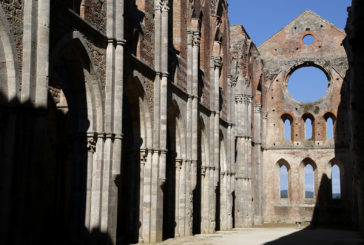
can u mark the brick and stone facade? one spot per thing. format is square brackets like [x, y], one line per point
[135, 121]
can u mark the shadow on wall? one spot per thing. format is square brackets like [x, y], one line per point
[42, 179]
[321, 231]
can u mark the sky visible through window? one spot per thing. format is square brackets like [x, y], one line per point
[309, 181]
[307, 84]
[263, 18]
[335, 180]
[284, 182]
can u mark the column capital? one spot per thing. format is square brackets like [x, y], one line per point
[143, 156]
[161, 5]
[91, 144]
[196, 38]
[247, 99]
[179, 162]
[232, 80]
[257, 108]
[216, 61]
[203, 170]
[189, 37]
[239, 99]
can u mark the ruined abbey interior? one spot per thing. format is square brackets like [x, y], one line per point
[135, 121]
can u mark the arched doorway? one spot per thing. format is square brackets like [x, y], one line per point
[73, 96]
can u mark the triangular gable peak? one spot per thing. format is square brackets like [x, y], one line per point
[289, 40]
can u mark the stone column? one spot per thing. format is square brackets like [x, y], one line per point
[189, 122]
[178, 185]
[216, 142]
[240, 121]
[249, 152]
[146, 204]
[192, 129]
[204, 199]
[263, 162]
[91, 148]
[258, 220]
[223, 200]
[143, 154]
[182, 199]
[34, 84]
[188, 199]
[243, 211]
[232, 82]
[107, 176]
[97, 167]
[156, 214]
[163, 117]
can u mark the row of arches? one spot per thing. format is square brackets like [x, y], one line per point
[133, 217]
[309, 129]
[307, 182]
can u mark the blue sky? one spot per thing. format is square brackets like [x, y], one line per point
[263, 18]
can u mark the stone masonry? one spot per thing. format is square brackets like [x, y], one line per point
[135, 121]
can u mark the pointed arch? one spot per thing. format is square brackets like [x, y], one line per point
[309, 128]
[309, 178]
[73, 49]
[287, 126]
[336, 172]
[330, 120]
[75, 116]
[283, 179]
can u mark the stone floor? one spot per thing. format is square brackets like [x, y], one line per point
[273, 236]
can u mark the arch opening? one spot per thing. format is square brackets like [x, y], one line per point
[329, 128]
[309, 181]
[283, 182]
[308, 129]
[308, 39]
[287, 129]
[335, 182]
[307, 84]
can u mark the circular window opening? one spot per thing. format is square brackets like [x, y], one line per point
[308, 39]
[307, 84]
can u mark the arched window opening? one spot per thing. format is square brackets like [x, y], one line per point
[309, 181]
[335, 182]
[283, 182]
[287, 129]
[308, 129]
[287, 122]
[329, 128]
